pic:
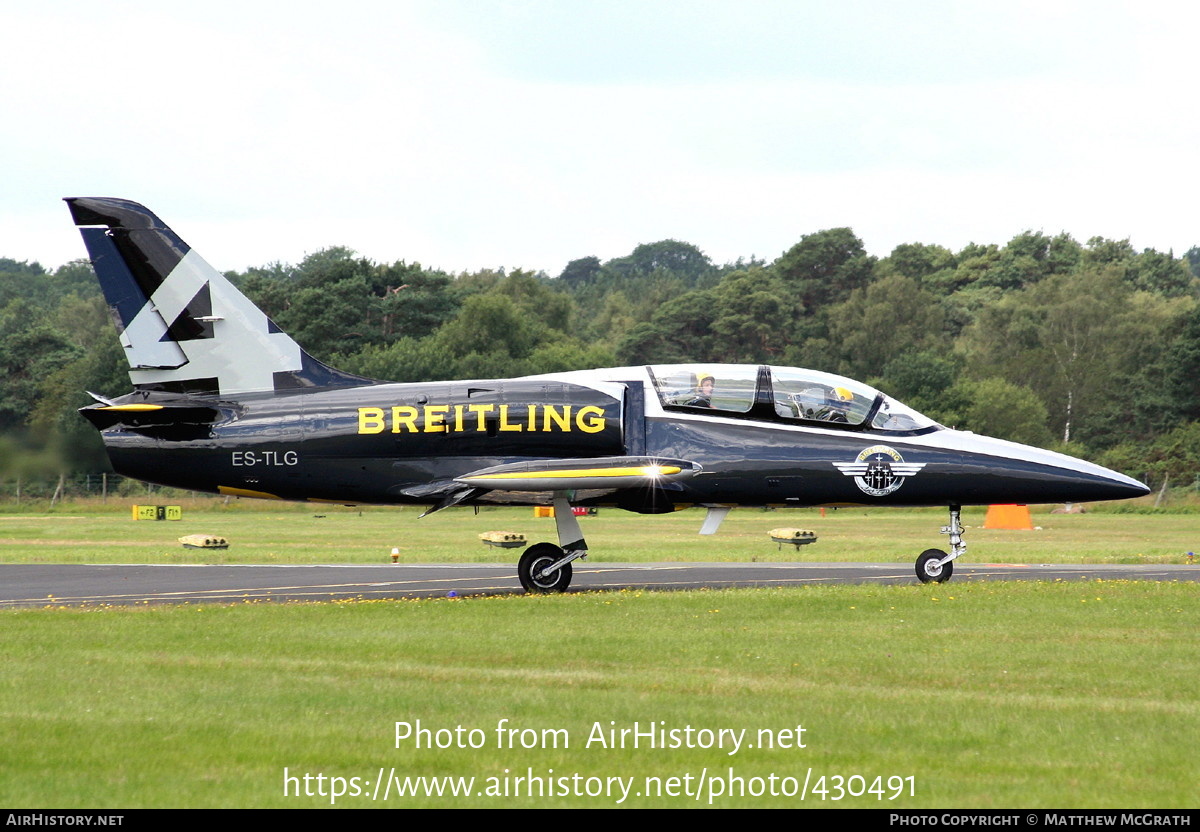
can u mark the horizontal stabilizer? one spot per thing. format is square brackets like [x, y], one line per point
[166, 421]
[453, 499]
[572, 474]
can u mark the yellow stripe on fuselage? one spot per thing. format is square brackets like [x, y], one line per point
[640, 471]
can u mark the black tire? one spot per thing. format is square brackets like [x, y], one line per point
[930, 574]
[537, 557]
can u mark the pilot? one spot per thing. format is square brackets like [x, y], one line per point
[702, 395]
[837, 403]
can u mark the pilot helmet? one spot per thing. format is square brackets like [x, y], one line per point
[838, 398]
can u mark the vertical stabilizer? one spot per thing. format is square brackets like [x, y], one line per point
[184, 326]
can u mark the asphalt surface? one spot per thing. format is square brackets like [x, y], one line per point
[42, 585]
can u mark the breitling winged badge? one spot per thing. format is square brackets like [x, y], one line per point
[879, 470]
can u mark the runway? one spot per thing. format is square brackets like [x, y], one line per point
[53, 585]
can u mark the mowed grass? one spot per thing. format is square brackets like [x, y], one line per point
[286, 533]
[987, 695]
[1000, 695]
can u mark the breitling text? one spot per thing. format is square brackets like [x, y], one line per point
[481, 418]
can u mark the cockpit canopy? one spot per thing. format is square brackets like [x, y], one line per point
[783, 394]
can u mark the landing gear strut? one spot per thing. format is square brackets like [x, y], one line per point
[934, 565]
[545, 567]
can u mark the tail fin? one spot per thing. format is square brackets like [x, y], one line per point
[184, 326]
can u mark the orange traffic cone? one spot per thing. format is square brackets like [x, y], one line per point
[1008, 517]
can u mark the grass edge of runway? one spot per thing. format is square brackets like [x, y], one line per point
[95, 533]
[989, 695]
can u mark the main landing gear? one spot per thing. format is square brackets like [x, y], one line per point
[934, 565]
[545, 567]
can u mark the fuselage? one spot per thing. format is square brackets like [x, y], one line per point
[387, 443]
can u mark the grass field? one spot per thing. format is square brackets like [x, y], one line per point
[1031, 695]
[988, 695]
[288, 533]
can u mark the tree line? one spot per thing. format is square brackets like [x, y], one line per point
[1090, 348]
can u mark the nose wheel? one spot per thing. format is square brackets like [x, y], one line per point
[934, 565]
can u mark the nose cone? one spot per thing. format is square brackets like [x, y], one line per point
[1088, 482]
[1008, 472]
[1122, 487]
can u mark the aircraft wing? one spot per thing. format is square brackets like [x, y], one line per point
[610, 472]
[602, 475]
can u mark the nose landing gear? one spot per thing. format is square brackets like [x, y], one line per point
[934, 565]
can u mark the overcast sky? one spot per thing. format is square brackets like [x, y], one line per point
[465, 134]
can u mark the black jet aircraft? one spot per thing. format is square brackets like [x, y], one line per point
[226, 402]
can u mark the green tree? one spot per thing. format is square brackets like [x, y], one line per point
[1031, 256]
[407, 299]
[1172, 458]
[405, 359]
[681, 330]
[581, 271]
[1100, 252]
[1065, 337]
[331, 317]
[490, 323]
[1183, 362]
[681, 259]
[891, 316]
[752, 319]
[995, 407]
[1192, 258]
[824, 268]
[562, 356]
[537, 300]
[23, 281]
[30, 351]
[922, 380]
[1162, 274]
[974, 263]
[614, 320]
[930, 265]
[1142, 400]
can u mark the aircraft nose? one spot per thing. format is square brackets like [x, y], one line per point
[1079, 481]
[1001, 471]
[1084, 482]
[1120, 487]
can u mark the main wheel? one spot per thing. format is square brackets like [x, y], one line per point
[536, 558]
[928, 570]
